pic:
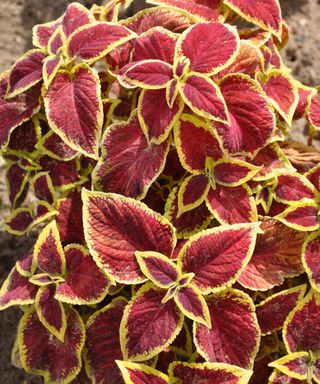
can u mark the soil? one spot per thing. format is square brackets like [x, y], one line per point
[16, 20]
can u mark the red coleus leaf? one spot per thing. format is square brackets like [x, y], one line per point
[266, 15]
[25, 137]
[44, 355]
[314, 111]
[293, 188]
[129, 164]
[233, 172]
[278, 377]
[149, 74]
[277, 255]
[104, 37]
[301, 216]
[208, 255]
[69, 218]
[156, 43]
[302, 327]
[102, 346]
[252, 120]
[43, 188]
[149, 326]
[295, 365]
[232, 205]
[48, 252]
[84, 282]
[16, 290]
[203, 96]
[192, 304]
[235, 335]
[50, 311]
[203, 9]
[134, 373]
[246, 61]
[41, 33]
[188, 223]
[169, 19]
[26, 72]
[108, 219]
[311, 259]
[282, 92]
[215, 373]
[75, 16]
[17, 179]
[210, 47]
[155, 116]
[56, 41]
[195, 141]
[26, 265]
[305, 95]
[192, 192]
[157, 268]
[79, 127]
[273, 311]
[51, 66]
[16, 110]
[55, 147]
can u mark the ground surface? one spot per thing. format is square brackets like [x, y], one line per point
[16, 20]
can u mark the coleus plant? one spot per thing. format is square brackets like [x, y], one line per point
[178, 225]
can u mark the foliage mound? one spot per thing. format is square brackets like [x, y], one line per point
[178, 225]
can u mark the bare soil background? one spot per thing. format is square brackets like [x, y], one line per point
[17, 18]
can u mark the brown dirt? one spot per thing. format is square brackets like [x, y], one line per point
[16, 20]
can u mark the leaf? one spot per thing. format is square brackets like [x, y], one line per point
[16, 290]
[25, 265]
[300, 216]
[84, 282]
[134, 373]
[293, 188]
[102, 346]
[157, 268]
[17, 181]
[188, 223]
[48, 252]
[278, 377]
[217, 256]
[115, 227]
[16, 110]
[43, 188]
[149, 74]
[51, 66]
[157, 43]
[51, 312]
[204, 98]
[202, 10]
[301, 329]
[232, 173]
[25, 137]
[232, 205]
[76, 15]
[104, 37]
[79, 127]
[277, 256]
[235, 335]
[148, 325]
[41, 33]
[314, 112]
[294, 365]
[215, 373]
[252, 120]
[191, 303]
[192, 192]
[311, 259]
[25, 73]
[42, 354]
[155, 116]
[273, 311]
[266, 15]
[129, 164]
[282, 92]
[195, 141]
[169, 19]
[210, 47]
